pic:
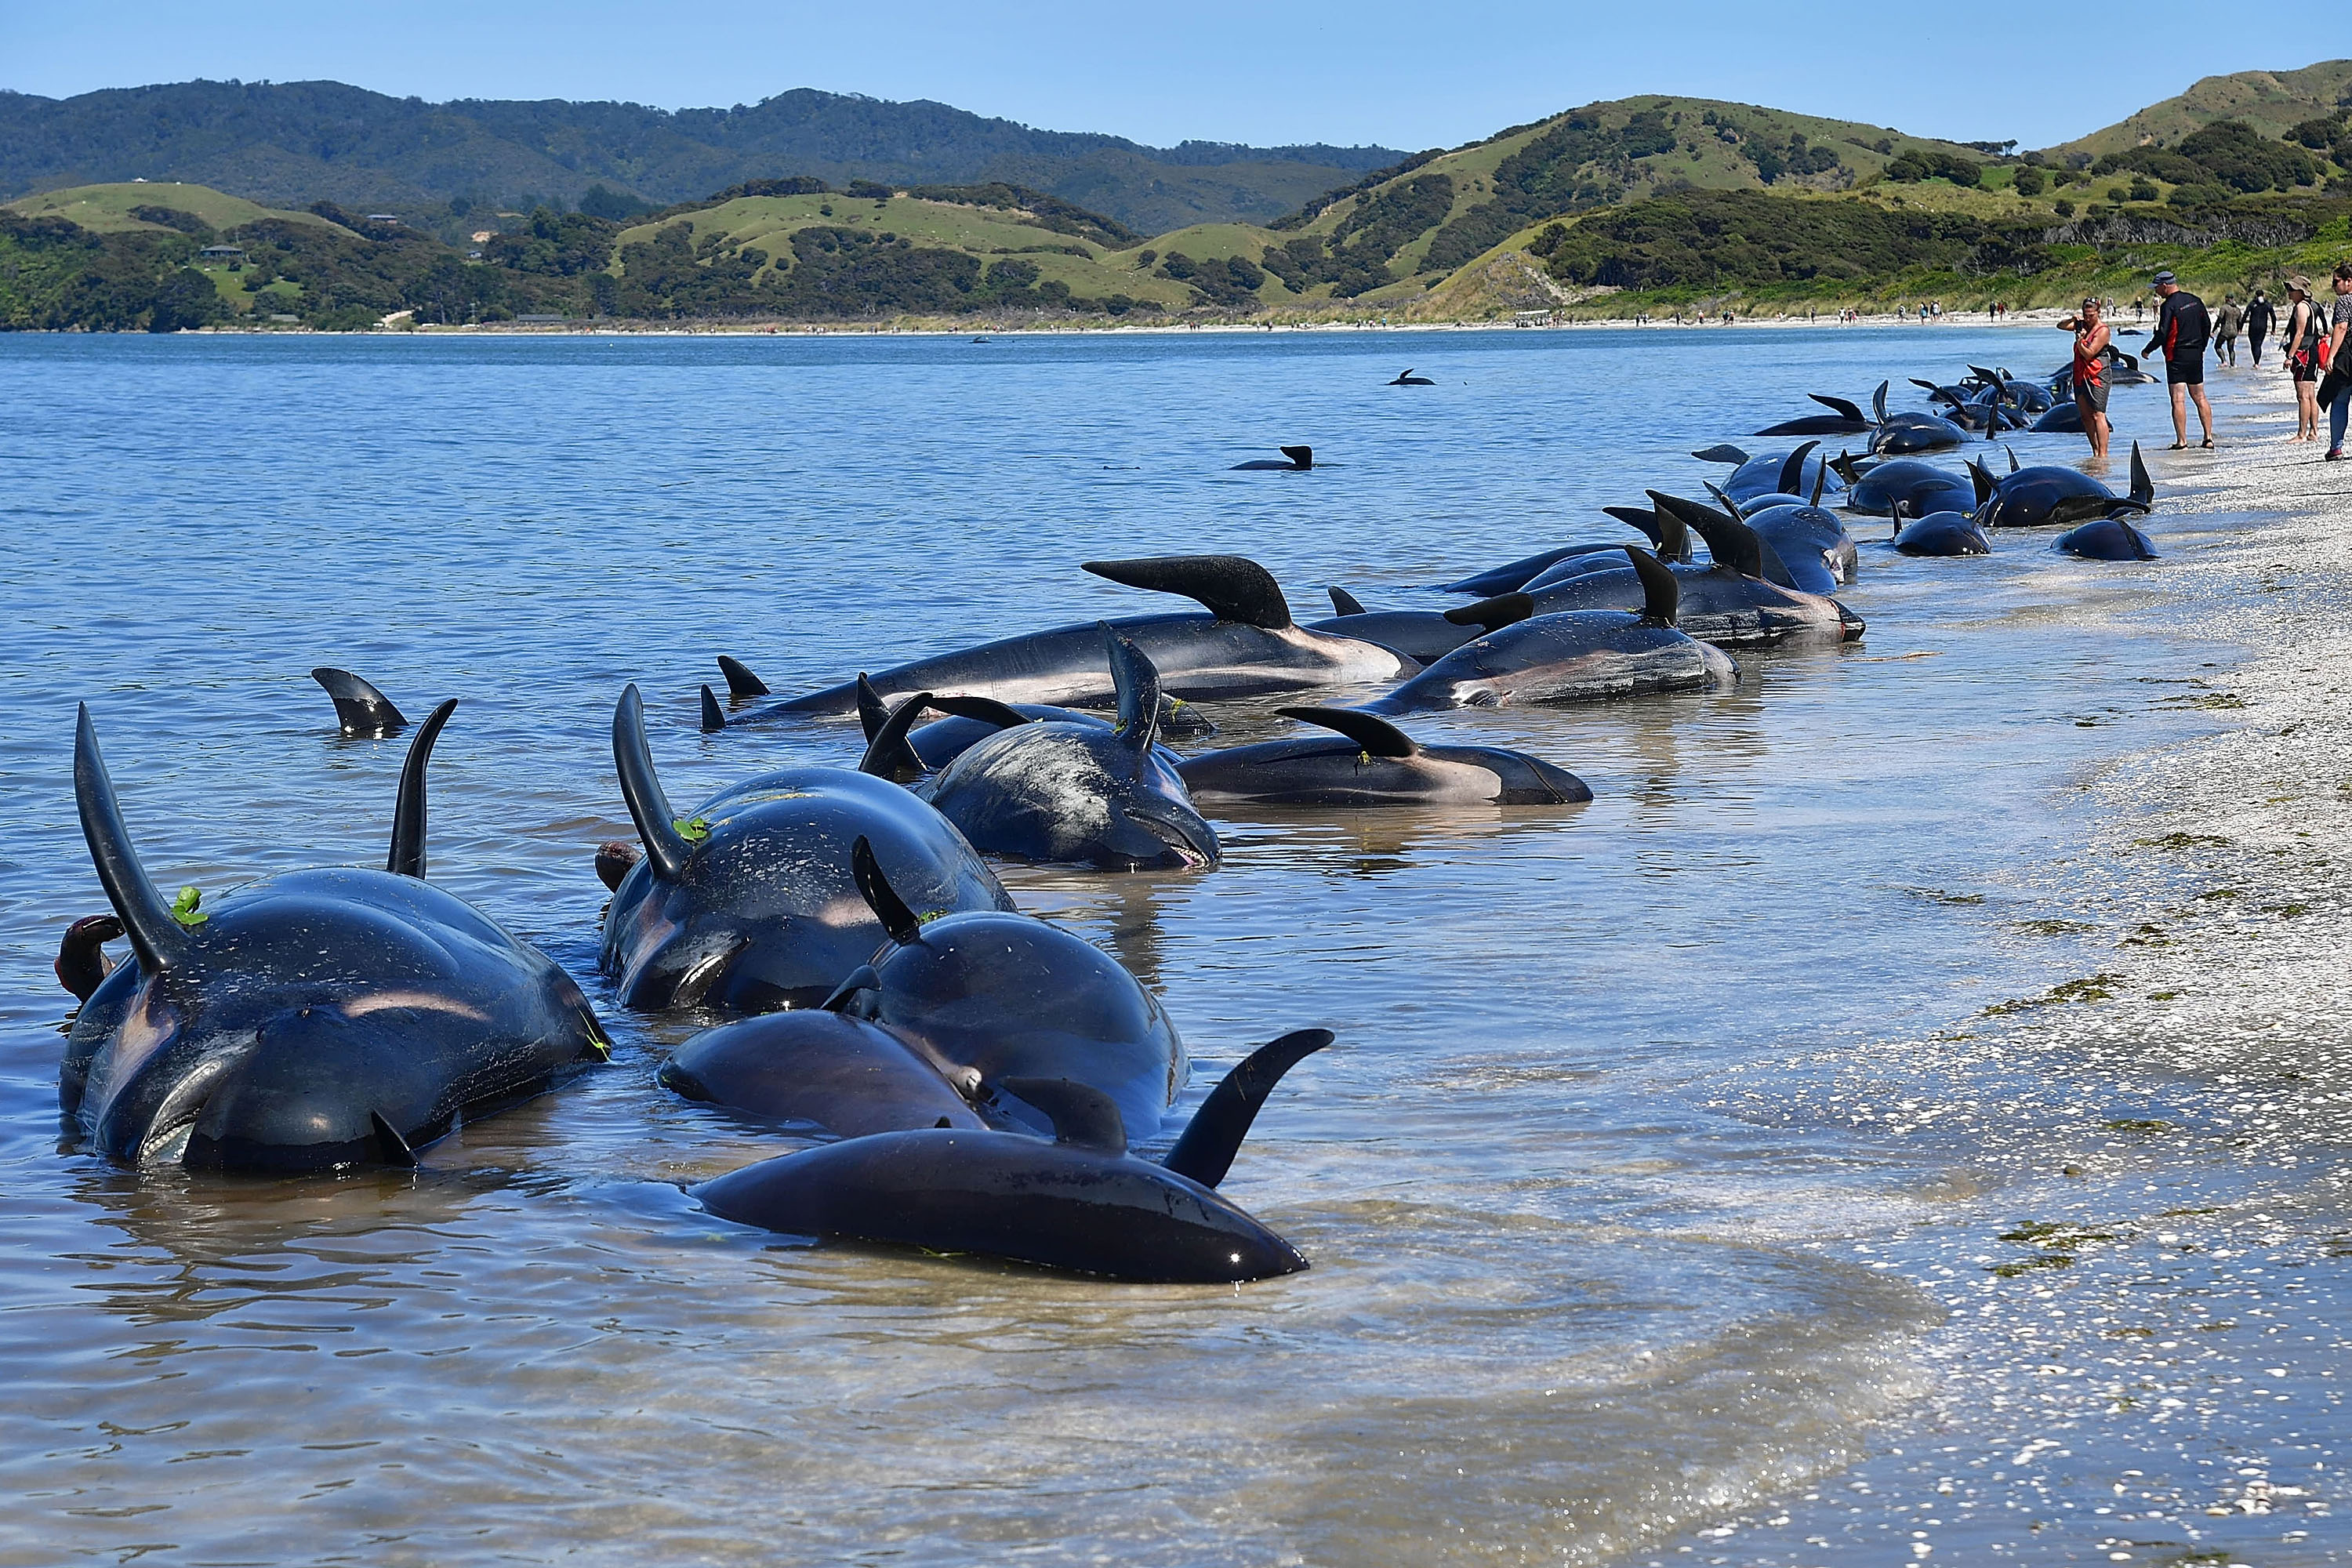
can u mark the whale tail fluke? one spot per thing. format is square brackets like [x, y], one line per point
[407, 857]
[741, 681]
[360, 710]
[1205, 1152]
[1343, 602]
[1843, 407]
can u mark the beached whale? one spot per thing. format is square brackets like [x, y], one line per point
[2106, 539]
[1296, 460]
[811, 1067]
[1940, 533]
[308, 1021]
[1844, 418]
[1365, 760]
[1409, 379]
[1516, 575]
[1422, 636]
[1801, 472]
[988, 995]
[1052, 791]
[746, 904]
[2053, 495]
[1917, 487]
[1244, 645]
[1082, 1202]
[1577, 655]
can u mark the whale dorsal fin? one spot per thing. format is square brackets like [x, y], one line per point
[1841, 406]
[714, 717]
[407, 857]
[1230, 587]
[1730, 541]
[2012, 456]
[1639, 518]
[1844, 464]
[741, 681]
[2143, 488]
[1492, 615]
[1343, 602]
[1205, 1152]
[1661, 596]
[1793, 471]
[1933, 390]
[1878, 403]
[1302, 456]
[854, 984]
[1375, 735]
[1987, 487]
[1820, 477]
[1135, 680]
[888, 754]
[1725, 453]
[888, 908]
[872, 712]
[1722, 499]
[159, 940]
[1084, 1116]
[362, 710]
[666, 849]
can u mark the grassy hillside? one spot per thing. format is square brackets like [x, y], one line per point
[291, 143]
[115, 209]
[2273, 102]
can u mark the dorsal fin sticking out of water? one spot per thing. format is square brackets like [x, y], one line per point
[1820, 477]
[1302, 456]
[1374, 735]
[741, 681]
[1792, 472]
[1230, 587]
[897, 919]
[1661, 596]
[1878, 404]
[1987, 487]
[1136, 681]
[714, 717]
[407, 857]
[1343, 602]
[1841, 406]
[159, 940]
[888, 754]
[2143, 488]
[1205, 1152]
[666, 850]
[362, 711]
[1732, 543]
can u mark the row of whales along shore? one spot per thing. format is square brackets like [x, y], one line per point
[1242, 643]
[309, 1021]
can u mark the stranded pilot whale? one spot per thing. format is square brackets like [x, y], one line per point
[1242, 643]
[1296, 460]
[310, 1020]
[1082, 1202]
[746, 905]
[1409, 379]
[1367, 760]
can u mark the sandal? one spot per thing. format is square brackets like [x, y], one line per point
[2208, 443]
[2178, 447]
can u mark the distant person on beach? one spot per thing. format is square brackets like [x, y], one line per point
[2091, 341]
[2301, 346]
[2180, 333]
[2227, 323]
[2258, 324]
[2334, 392]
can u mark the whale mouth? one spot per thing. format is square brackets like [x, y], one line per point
[1195, 847]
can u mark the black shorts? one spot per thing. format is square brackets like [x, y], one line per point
[2189, 371]
[2093, 398]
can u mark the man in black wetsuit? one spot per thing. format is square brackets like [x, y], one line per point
[2258, 323]
[2182, 331]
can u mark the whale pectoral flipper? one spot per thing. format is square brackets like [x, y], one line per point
[741, 681]
[897, 919]
[1843, 407]
[1084, 1116]
[1230, 587]
[1375, 735]
[407, 857]
[1343, 602]
[714, 717]
[1492, 615]
[888, 754]
[1205, 1152]
[159, 939]
[360, 710]
[82, 953]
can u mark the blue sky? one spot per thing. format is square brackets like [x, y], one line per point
[1407, 75]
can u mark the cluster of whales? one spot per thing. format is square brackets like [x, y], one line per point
[975, 1079]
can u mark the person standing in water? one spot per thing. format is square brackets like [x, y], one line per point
[2301, 346]
[2258, 324]
[2226, 321]
[2335, 388]
[2091, 340]
[2179, 334]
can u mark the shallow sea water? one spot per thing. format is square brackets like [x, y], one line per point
[1654, 1189]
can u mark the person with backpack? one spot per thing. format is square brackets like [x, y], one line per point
[2304, 343]
[2334, 392]
[2182, 331]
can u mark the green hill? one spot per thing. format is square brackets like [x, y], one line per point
[2273, 102]
[158, 207]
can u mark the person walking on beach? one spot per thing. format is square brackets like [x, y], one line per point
[2258, 324]
[2091, 341]
[2226, 321]
[2180, 335]
[2301, 346]
[2334, 392]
